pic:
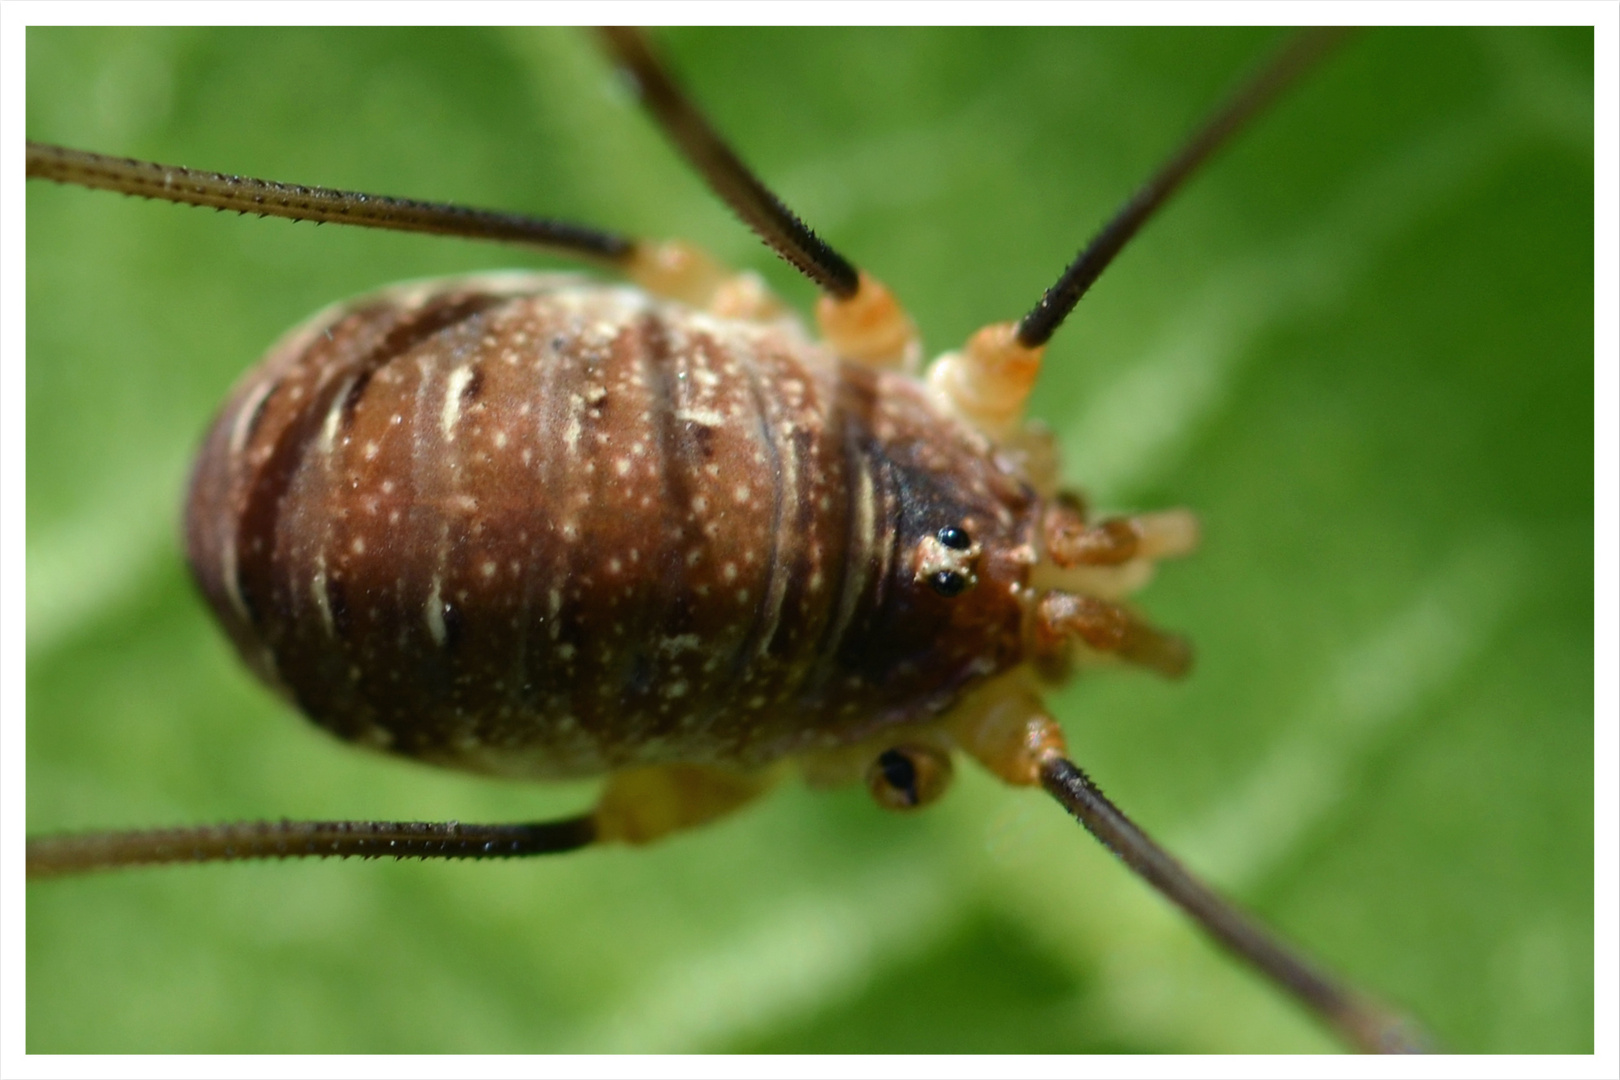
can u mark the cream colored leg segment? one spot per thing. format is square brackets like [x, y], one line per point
[870, 328]
[1005, 727]
[638, 806]
[677, 270]
[987, 384]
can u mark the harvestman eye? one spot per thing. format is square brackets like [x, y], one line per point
[948, 583]
[728, 516]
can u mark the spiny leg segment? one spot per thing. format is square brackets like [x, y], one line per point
[1302, 53]
[271, 198]
[79, 853]
[1364, 1023]
[990, 379]
[1008, 731]
[636, 806]
[724, 171]
[858, 315]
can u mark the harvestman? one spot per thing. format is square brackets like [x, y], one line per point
[531, 525]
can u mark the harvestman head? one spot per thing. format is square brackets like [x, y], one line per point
[987, 383]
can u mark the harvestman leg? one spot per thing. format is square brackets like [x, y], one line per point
[858, 316]
[1010, 733]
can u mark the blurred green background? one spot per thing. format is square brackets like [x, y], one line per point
[1360, 346]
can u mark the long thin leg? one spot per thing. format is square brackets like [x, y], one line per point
[270, 198]
[1364, 1023]
[1005, 728]
[989, 380]
[78, 853]
[1298, 56]
[723, 170]
[675, 269]
[857, 314]
[636, 806]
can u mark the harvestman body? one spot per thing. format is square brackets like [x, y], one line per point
[532, 525]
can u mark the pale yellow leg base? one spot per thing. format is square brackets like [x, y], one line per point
[1005, 727]
[680, 271]
[988, 382]
[638, 806]
[870, 328]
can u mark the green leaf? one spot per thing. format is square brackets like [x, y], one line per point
[1359, 345]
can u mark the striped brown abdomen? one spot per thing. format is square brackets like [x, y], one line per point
[536, 526]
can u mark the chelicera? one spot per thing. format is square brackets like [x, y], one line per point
[753, 551]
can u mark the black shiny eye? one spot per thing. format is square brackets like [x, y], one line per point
[954, 538]
[948, 583]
